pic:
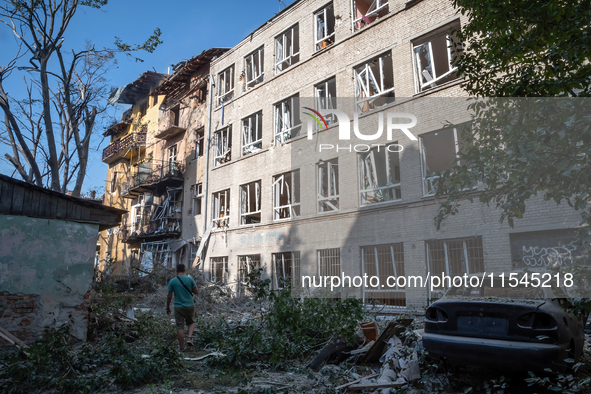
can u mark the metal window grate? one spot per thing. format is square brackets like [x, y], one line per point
[219, 269]
[286, 269]
[329, 262]
[384, 261]
[246, 265]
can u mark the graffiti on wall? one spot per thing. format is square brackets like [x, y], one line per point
[555, 248]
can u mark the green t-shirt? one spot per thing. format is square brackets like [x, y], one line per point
[182, 297]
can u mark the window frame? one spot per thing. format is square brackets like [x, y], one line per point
[217, 260]
[365, 87]
[199, 142]
[245, 205]
[247, 134]
[225, 155]
[427, 41]
[327, 256]
[333, 185]
[294, 56]
[293, 206]
[376, 262]
[197, 198]
[383, 4]
[428, 181]
[294, 267]
[363, 169]
[283, 134]
[220, 221]
[327, 37]
[224, 95]
[258, 78]
[328, 85]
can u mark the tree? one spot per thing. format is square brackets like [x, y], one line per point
[518, 148]
[72, 87]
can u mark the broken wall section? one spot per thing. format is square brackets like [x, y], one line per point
[46, 268]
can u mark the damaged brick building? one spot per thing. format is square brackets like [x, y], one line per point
[267, 200]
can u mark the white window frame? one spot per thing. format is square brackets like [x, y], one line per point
[326, 262]
[367, 167]
[279, 269]
[287, 119]
[245, 200]
[326, 100]
[225, 92]
[137, 214]
[293, 196]
[428, 181]
[326, 37]
[197, 197]
[391, 289]
[365, 80]
[252, 133]
[223, 146]
[285, 52]
[329, 201]
[424, 74]
[257, 75]
[221, 219]
[223, 260]
[373, 11]
[113, 183]
[172, 153]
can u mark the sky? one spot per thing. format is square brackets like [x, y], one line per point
[188, 28]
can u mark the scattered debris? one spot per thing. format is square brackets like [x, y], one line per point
[212, 354]
[12, 339]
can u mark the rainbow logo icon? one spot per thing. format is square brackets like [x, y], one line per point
[316, 119]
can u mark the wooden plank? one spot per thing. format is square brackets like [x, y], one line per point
[28, 197]
[344, 386]
[12, 339]
[18, 194]
[84, 213]
[62, 209]
[6, 199]
[42, 210]
[54, 202]
[78, 211]
[374, 386]
[70, 210]
[35, 203]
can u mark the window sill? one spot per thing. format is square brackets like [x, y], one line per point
[241, 158]
[446, 85]
[379, 204]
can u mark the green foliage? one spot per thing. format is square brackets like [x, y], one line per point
[563, 383]
[525, 48]
[53, 364]
[519, 149]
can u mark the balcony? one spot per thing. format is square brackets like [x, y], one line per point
[168, 126]
[154, 230]
[167, 174]
[122, 149]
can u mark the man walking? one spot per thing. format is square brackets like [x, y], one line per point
[183, 288]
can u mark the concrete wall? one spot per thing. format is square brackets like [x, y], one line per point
[46, 268]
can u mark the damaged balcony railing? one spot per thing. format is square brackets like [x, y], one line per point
[154, 229]
[158, 172]
[127, 142]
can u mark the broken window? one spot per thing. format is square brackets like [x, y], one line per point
[439, 151]
[250, 203]
[154, 254]
[225, 85]
[379, 175]
[329, 262]
[248, 273]
[219, 270]
[113, 185]
[197, 197]
[455, 257]
[324, 22]
[221, 209]
[326, 93]
[328, 186]
[175, 115]
[137, 215]
[384, 261]
[433, 61]
[287, 119]
[286, 195]
[374, 83]
[367, 11]
[286, 270]
[254, 67]
[172, 163]
[287, 49]
[222, 142]
[252, 133]
[199, 137]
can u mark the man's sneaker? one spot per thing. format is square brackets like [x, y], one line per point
[190, 342]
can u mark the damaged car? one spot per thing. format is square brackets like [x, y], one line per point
[515, 328]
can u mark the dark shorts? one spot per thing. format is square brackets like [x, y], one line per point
[184, 315]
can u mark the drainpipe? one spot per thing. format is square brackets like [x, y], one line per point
[207, 144]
